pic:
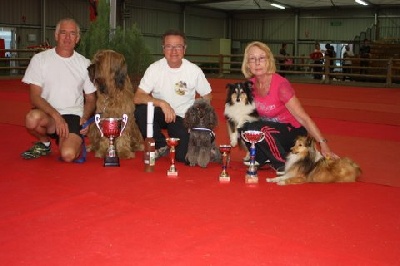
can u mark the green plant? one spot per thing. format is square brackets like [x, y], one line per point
[128, 42]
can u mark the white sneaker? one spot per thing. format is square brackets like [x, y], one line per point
[247, 163]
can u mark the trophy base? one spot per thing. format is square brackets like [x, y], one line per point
[172, 173]
[251, 179]
[224, 179]
[111, 162]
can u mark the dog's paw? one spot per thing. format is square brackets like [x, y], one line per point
[272, 180]
[247, 157]
[89, 148]
[234, 143]
[281, 183]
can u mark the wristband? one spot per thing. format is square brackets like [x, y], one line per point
[323, 140]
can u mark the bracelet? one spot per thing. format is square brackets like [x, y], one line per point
[323, 140]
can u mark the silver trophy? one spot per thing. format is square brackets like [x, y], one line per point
[111, 128]
[252, 136]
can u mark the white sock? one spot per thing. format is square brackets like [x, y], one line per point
[47, 144]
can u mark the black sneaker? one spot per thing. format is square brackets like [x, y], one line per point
[36, 151]
[280, 171]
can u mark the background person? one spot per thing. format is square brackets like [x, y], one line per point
[171, 83]
[283, 118]
[330, 54]
[347, 63]
[282, 59]
[61, 93]
[365, 51]
[318, 57]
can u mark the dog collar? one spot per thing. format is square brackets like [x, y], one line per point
[205, 129]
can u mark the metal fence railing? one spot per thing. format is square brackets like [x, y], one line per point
[385, 70]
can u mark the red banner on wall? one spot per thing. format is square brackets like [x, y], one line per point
[93, 9]
[2, 46]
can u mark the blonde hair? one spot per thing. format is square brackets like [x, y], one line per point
[270, 63]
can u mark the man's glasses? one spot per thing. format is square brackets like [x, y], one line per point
[178, 47]
[253, 60]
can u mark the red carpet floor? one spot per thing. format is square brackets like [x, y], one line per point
[53, 213]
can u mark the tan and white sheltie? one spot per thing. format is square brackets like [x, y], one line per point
[305, 164]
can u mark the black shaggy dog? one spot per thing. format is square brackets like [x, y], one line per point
[200, 120]
[239, 109]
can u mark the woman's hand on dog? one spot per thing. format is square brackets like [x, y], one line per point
[169, 113]
[326, 151]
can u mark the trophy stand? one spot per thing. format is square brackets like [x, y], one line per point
[172, 143]
[111, 159]
[225, 150]
[111, 128]
[252, 136]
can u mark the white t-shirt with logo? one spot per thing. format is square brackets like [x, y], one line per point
[63, 80]
[177, 86]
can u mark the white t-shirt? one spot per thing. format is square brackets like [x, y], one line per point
[346, 55]
[177, 86]
[63, 80]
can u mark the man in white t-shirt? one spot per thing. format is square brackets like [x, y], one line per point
[171, 83]
[62, 95]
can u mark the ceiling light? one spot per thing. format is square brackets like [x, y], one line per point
[361, 2]
[279, 6]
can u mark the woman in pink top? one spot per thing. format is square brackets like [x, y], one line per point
[283, 118]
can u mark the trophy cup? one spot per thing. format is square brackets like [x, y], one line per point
[225, 150]
[172, 143]
[111, 128]
[252, 136]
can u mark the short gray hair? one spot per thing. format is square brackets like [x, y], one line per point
[78, 29]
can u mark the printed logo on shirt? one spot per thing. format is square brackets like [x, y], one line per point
[265, 108]
[180, 88]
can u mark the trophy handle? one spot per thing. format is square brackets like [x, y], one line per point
[97, 120]
[242, 135]
[125, 120]
[263, 136]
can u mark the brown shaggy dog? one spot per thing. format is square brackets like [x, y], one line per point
[306, 164]
[201, 119]
[108, 72]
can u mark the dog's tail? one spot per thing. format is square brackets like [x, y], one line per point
[353, 169]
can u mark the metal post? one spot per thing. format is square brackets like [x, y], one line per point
[113, 17]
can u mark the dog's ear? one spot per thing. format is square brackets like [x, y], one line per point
[310, 141]
[212, 117]
[92, 72]
[120, 77]
[230, 87]
[248, 84]
[191, 118]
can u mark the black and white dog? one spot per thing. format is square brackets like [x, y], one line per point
[239, 109]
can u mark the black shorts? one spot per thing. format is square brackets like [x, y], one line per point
[74, 126]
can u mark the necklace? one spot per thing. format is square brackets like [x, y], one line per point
[263, 87]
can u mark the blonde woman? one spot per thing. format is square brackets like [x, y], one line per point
[283, 118]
